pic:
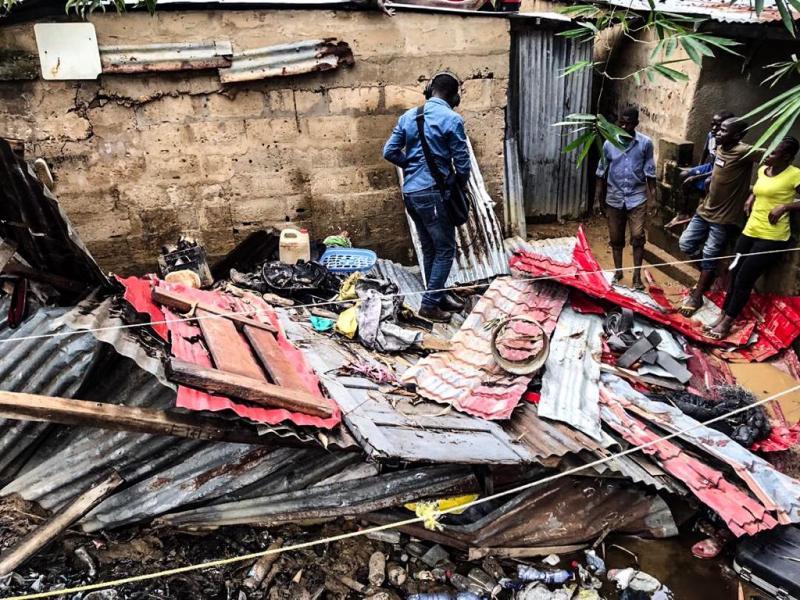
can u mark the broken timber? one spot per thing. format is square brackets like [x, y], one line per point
[31, 407]
[272, 358]
[229, 351]
[39, 538]
[183, 304]
[247, 388]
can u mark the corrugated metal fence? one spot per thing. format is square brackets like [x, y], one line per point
[538, 97]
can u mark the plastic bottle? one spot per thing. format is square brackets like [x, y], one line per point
[594, 563]
[527, 573]
[295, 245]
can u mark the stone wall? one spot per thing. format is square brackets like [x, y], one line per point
[139, 159]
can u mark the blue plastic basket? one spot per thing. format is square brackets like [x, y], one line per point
[348, 260]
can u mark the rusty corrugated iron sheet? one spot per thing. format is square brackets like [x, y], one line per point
[178, 56]
[743, 514]
[467, 377]
[32, 220]
[335, 499]
[392, 428]
[284, 60]
[480, 252]
[570, 385]
[778, 492]
[54, 366]
[571, 510]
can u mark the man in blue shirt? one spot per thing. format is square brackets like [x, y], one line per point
[425, 203]
[626, 182]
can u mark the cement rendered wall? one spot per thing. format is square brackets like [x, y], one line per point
[139, 159]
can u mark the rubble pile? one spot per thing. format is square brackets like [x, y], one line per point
[258, 404]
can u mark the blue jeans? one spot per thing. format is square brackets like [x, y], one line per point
[710, 239]
[437, 236]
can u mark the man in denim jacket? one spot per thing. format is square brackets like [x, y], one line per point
[444, 132]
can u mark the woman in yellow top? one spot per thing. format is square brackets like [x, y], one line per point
[767, 229]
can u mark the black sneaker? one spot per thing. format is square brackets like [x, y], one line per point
[451, 303]
[435, 314]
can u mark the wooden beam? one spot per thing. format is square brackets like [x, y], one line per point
[32, 407]
[184, 304]
[40, 537]
[247, 388]
[231, 353]
[271, 357]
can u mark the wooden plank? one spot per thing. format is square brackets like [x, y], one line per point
[227, 347]
[272, 358]
[32, 407]
[184, 304]
[247, 388]
[40, 537]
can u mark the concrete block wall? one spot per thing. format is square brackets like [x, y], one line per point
[139, 159]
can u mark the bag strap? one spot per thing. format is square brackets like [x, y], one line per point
[426, 150]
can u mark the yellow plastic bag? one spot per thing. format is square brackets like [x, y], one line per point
[347, 324]
[348, 289]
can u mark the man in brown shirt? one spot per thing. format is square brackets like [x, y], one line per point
[719, 214]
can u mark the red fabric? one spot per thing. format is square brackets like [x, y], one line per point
[776, 319]
[185, 337]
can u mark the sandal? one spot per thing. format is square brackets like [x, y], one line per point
[717, 335]
[687, 310]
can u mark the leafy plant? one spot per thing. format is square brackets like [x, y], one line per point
[673, 31]
[592, 130]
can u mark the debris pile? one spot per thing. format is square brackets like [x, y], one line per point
[251, 400]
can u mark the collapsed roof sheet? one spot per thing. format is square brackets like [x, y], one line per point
[570, 385]
[743, 514]
[334, 499]
[185, 336]
[31, 219]
[778, 492]
[41, 364]
[398, 430]
[467, 377]
[736, 11]
[583, 272]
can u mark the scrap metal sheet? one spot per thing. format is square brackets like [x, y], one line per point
[570, 385]
[583, 272]
[778, 492]
[184, 336]
[743, 514]
[397, 430]
[467, 377]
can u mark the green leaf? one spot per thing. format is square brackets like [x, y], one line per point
[691, 47]
[587, 145]
[578, 66]
[669, 73]
[579, 141]
[637, 77]
[786, 15]
[780, 127]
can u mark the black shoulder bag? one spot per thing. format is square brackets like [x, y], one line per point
[455, 198]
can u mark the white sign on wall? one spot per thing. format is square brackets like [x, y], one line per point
[68, 50]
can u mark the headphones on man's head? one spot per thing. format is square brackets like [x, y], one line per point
[429, 87]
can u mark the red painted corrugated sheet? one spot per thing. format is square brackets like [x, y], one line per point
[775, 319]
[743, 514]
[467, 376]
[185, 338]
